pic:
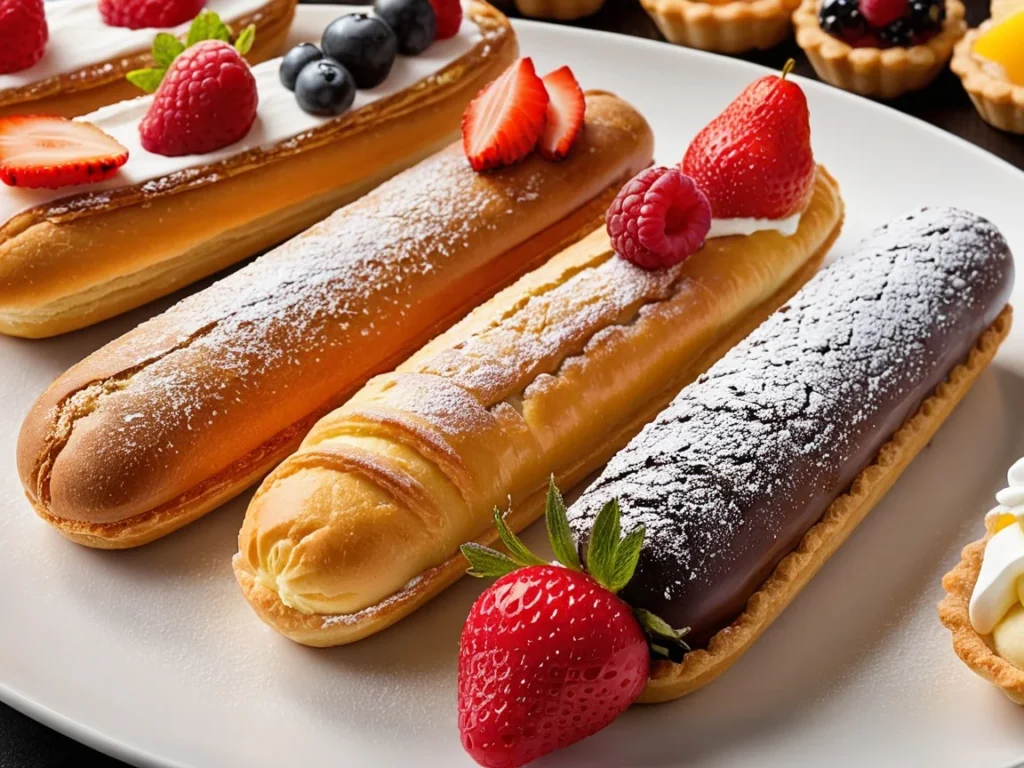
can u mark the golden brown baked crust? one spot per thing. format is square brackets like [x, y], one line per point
[76, 93]
[999, 102]
[884, 73]
[170, 420]
[698, 668]
[974, 649]
[554, 374]
[64, 265]
[725, 26]
[562, 10]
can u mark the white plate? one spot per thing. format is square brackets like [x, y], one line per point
[153, 656]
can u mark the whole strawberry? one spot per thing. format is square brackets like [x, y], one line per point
[549, 655]
[23, 34]
[754, 160]
[206, 95]
[143, 14]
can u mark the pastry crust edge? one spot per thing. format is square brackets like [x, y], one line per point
[999, 102]
[698, 668]
[734, 26]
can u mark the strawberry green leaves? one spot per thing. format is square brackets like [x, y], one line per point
[558, 529]
[166, 48]
[664, 641]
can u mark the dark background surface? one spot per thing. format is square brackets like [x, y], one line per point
[27, 744]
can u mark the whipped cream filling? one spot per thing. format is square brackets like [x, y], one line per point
[997, 589]
[727, 227]
[278, 119]
[79, 38]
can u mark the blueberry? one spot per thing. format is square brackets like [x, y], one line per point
[413, 21]
[898, 33]
[325, 87]
[364, 45]
[842, 19]
[295, 61]
[926, 18]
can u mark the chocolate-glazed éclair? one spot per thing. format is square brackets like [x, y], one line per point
[730, 476]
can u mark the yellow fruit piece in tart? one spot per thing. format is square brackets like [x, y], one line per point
[990, 63]
[1003, 44]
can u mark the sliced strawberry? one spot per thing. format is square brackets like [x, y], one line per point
[564, 122]
[51, 152]
[502, 124]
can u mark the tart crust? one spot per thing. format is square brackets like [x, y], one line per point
[726, 27]
[974, 649]
[560, 10]
[882, 73]
[999, 102]
[698, 668]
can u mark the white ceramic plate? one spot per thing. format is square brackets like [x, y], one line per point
[153, 656]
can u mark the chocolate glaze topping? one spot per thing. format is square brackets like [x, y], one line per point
[742, 463]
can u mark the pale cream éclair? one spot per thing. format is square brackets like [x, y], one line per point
[73, 256]
[83, 59]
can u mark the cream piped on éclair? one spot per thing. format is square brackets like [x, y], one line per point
[79, 38]
[996, 590]
[278, 119]
[740, 226]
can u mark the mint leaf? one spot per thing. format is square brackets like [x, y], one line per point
[166, 48]
[519, 552]
[627, 555]
[148, 80]
[558, 529]
[485, 562]
[207, 26]
[245, 39]
[604, 541]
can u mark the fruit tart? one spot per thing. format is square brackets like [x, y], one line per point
[983, 606]
[724, 26]
[879, 48]
[990, 63]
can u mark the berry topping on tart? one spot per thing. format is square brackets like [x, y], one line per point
[449, 17]
[293, 62]
[754, 161]
[325, 88]
[362, 44]
[502, 125]
[143, 14]
[413, 21]
[658, 219]
[882, 23]
[53, 152]
[549, 653]
[23, 34]
[564, 121]
[206, 95]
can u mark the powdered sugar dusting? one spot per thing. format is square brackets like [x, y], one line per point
[727, 478]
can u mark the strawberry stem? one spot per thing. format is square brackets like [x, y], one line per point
[787, 68]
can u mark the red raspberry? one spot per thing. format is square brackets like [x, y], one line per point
[140, 14]
[659, 218]
[881, 13]
[449, 17]
[206, 101]
[23, 34]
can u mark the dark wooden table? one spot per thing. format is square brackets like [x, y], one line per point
[27, 744]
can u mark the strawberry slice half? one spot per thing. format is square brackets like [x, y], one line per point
[502, 124]
[42, 151]
[564, 122]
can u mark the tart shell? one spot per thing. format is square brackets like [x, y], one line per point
[881, 73]
[999, 102]
[560, 10]
[724, 27]
[974, 649]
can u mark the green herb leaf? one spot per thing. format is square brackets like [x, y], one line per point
[243, 44]
[207, 26]
[604, 541]
[627, 555]
[485, 562]
[147, 79]
[663, 640]
[558, 529]
[166, 48]
[519, 552]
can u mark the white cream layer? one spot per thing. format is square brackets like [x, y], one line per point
[80, 38]
[727, 227]
[278, 118]
[996, 590]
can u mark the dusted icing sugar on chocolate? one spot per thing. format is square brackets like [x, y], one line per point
[731, 475]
